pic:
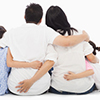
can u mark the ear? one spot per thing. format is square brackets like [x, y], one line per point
[24, 16]
[40, 20]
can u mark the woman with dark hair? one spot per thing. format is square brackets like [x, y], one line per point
[57, 20]
[69, 58]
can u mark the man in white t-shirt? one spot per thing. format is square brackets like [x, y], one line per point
[29, 43]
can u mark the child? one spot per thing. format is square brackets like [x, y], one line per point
[4, 70]
[91, 69]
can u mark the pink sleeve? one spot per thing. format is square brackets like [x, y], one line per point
[88, 66]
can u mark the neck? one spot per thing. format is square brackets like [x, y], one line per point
[34, 23]
[0, 47]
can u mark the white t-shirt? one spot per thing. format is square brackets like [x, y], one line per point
[71, 59]
[28, 43]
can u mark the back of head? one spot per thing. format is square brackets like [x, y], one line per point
[33, 13]
[2, 31]
[56, 19]
[94, 47]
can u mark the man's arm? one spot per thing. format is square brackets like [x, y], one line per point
[71, 75]
[25, 85]
[18, 64]
[71, 40]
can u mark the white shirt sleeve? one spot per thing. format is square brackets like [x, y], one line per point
[87, 48]
[4, 41]
[50, 35]
[78, 33]
[51, 54]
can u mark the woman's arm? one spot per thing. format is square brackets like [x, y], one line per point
[25, 85]
[71, 40]
[72, 75]
[18, 64]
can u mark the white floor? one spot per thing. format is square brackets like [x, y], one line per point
[50, 96]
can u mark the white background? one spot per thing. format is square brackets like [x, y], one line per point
[82, 14]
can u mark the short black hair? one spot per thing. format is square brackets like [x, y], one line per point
[33, 13]
[2, 31]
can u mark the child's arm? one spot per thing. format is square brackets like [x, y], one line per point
[18, 64]
[72, 75]
[25, 85]
[50, 59]
[92, 58]
[89, 71]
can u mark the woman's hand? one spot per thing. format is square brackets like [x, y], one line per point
[36, 64]
[24, 86]
[69, 76]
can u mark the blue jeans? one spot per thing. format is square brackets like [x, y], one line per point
[50, 71]
[52, 90]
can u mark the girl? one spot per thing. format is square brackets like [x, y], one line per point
[4, 70]
[91, 69]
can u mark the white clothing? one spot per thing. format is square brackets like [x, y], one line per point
[28, 43]
[18, 75]
[96, 75]
[71, 59]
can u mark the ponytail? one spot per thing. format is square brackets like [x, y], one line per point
[94, 47]
[97, 48]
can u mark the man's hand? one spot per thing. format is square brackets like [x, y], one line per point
[69, 76]
[86, 35]
[24, 86]
[36, 64]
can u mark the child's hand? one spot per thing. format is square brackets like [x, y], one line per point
[24, 86]
[36, 64]
[69, 76]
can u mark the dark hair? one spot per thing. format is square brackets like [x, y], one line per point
[2, 31]
[56, 19]
[33, 13]
[94, 47]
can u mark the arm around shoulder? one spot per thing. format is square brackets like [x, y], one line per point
[71, 40]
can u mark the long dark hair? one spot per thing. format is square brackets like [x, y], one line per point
[33, 13]
[56, 19]
[94, 47]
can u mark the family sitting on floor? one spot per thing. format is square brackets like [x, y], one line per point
[29, 52]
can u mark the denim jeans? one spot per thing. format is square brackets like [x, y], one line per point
[52, 90]
[50, 71]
